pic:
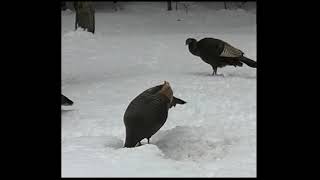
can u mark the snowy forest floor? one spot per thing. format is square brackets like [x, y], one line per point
[141, 46]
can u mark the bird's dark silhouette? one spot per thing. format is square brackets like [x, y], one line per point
[218, 53]
[148, 112]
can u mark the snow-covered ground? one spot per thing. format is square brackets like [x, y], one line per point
[140, 46]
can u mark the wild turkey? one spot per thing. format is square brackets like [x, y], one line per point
[148, 112]
[218, 53]
[65, 101]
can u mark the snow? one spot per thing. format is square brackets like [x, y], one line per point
[141, 46]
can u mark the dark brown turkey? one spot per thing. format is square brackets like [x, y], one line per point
[148, 112]
[218, 53]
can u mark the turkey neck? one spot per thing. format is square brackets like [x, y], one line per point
[167, 91]
[193, 48]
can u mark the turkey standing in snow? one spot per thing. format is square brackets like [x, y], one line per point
[147, 113]
[218, 53]
[65, 101]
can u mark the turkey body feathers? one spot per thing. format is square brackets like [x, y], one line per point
[218, 53]
[146, 114]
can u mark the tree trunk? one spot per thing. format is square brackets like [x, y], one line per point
[241, 4]
[84, 15]
[186, 7]
[63, 5]
[115, 6]
[225, 5]
[176, 5]
[169, 6]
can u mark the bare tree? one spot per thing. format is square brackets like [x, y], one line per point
[225, 4]
[234, 4]
[115, 6]
[169, 6]
[241, 4]
[85, 17]
[186, 6]
[63, 5]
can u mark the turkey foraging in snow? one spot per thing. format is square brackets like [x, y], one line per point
[218, 53]
[148, 112]
[65, 101]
